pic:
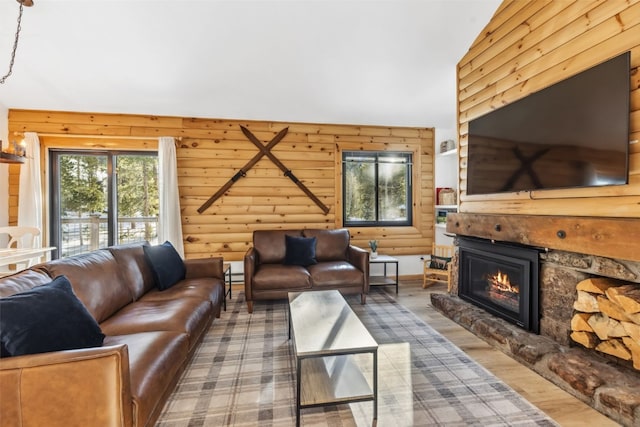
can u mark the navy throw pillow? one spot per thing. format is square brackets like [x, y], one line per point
[439, 262]
[46, 318]
[166, 264]
[300, 250]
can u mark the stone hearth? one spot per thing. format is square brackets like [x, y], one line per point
[607, 387]
[608, 384]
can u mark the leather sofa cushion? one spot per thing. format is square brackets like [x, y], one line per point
[206, 288]
[154, 361]
[281, 277]
[335, 273]
[134, 268]
[331, 245]
[270, 245]
[188, 315]
[96, 280]
[22, 281]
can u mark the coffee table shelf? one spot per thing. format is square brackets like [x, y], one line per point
[335, 379]
[327, 336]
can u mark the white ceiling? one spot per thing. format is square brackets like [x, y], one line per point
[325, 61]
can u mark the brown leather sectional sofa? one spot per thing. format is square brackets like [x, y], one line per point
[150, 337]
[339, 265]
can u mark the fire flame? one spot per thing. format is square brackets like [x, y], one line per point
[501, 283]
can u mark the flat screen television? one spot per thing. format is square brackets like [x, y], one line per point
[574, 133]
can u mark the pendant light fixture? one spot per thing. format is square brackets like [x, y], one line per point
[23, 3]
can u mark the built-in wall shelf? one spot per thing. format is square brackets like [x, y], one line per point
[11, 158]
[448, 153]
[7, 157]
[441, 212]
[445, 177]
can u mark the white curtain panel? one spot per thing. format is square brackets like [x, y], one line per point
[169, 220]
[30, 193]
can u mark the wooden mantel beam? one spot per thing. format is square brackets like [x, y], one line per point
[608, 237]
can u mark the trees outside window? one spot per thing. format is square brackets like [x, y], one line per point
[376, 188]
[100, 199]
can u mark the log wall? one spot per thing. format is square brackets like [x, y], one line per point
[530, 45]
[211, 151]
[14, 179]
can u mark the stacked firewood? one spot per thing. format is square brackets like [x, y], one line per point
[607, 318]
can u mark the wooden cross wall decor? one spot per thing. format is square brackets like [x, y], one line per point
[265, 150]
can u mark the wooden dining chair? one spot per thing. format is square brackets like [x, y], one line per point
[21, 238]
[437, 266]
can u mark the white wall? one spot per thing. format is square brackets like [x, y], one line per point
[408, 265]
[446, 167]
[4, 169]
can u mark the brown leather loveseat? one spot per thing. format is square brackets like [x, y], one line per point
[150, 336]
[337, 265]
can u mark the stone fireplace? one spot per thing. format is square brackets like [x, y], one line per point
[544, 341]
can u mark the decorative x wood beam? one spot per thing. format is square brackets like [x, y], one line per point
[265, 150]
[287, 172]
[243, 171]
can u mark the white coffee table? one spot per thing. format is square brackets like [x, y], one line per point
[326, 334]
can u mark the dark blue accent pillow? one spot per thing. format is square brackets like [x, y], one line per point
[46, 318]
[166, 264]
[300, 250]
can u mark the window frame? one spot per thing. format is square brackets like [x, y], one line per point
[409, 176]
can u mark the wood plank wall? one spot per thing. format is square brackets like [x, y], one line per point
[14, 179]
[527, 46]
[211, 151]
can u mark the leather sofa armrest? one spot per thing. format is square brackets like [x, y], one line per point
[204, 267]
[86, 387]
[359, 258]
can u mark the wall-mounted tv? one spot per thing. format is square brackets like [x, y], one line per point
[574, 133]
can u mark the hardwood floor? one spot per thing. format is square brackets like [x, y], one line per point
[555, 402]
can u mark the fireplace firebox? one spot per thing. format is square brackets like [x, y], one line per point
[502, 279]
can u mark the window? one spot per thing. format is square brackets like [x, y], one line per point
[103, 198]
[376, 188]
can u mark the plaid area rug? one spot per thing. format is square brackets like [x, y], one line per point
[243, 374]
